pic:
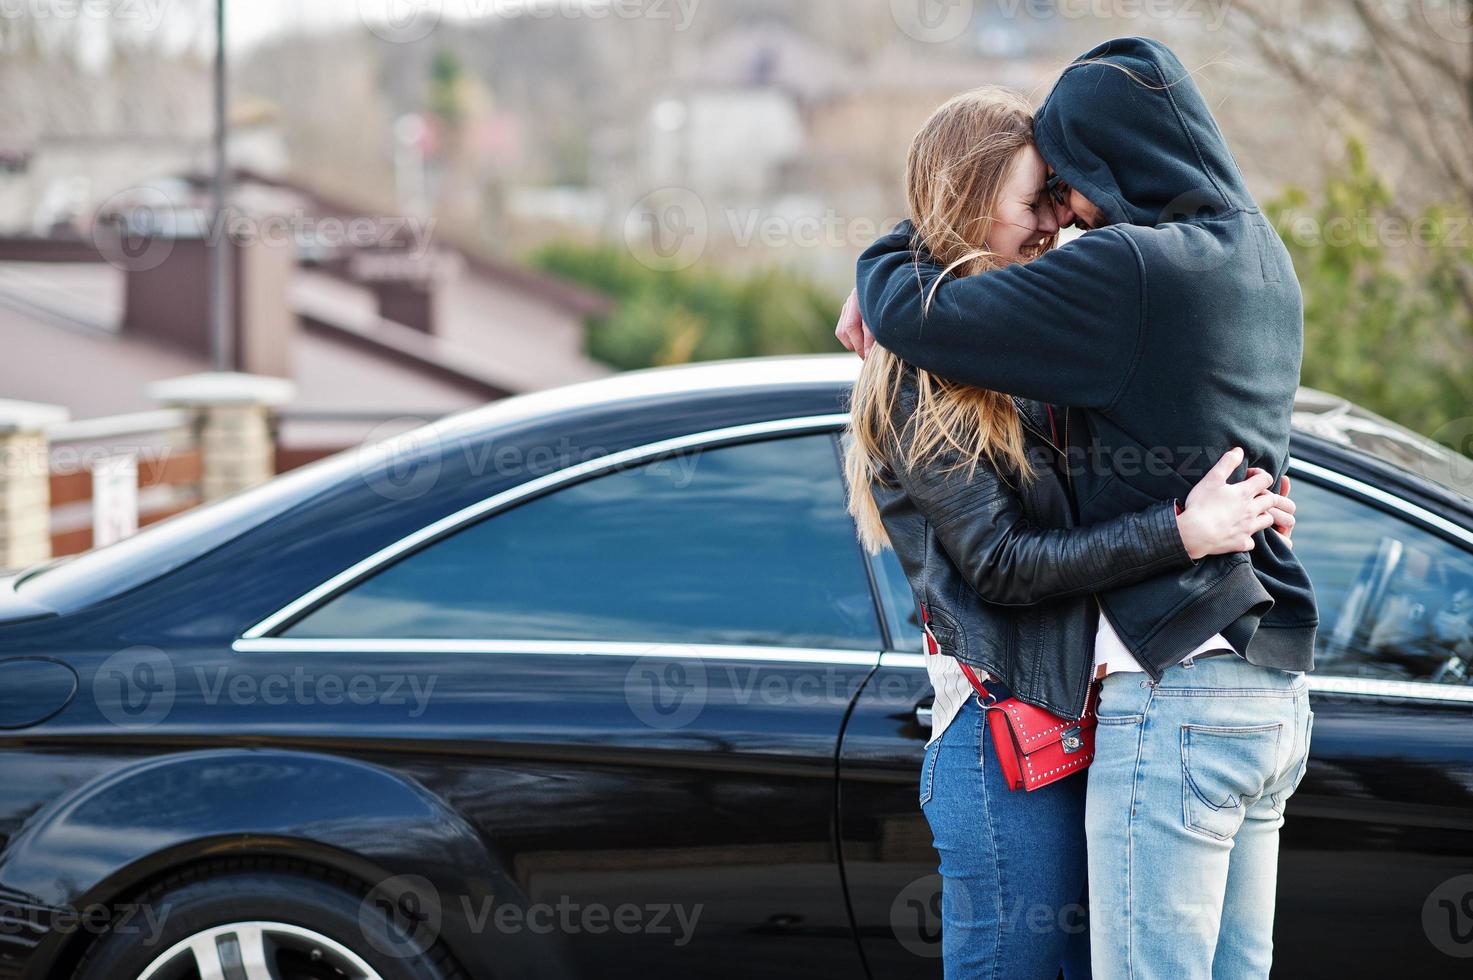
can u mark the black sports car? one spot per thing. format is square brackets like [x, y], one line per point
[599, 683]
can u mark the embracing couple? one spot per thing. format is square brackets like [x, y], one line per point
[1077, 453]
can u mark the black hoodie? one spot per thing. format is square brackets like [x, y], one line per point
[1177, 328]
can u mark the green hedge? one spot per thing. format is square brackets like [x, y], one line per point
[1388, 298]
[696, 314]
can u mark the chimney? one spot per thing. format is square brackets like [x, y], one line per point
[408, 288]
[167, 298]
[264, 319]
[406, 301]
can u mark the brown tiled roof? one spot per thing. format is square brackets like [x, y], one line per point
[62, 344]
[567, 295]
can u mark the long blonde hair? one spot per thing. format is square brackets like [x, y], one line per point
[954, 174]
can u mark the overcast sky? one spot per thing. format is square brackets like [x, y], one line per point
[250, 21]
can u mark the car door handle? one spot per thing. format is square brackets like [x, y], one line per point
[923, 715]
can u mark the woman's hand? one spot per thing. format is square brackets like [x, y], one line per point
[1283, 519]
[1220, 518]
[852, 331]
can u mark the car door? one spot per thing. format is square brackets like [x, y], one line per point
[1376, 861]
[1376, 869]
[889, 861]
[641, 670]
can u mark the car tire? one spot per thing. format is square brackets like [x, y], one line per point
[312, 916]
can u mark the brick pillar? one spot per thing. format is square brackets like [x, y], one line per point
[233, 425]
[25, 482]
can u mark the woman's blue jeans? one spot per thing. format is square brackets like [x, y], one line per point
[1013, 905]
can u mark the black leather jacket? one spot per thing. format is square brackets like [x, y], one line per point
[1006, 577]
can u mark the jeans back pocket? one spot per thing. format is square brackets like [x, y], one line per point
[1224, 769]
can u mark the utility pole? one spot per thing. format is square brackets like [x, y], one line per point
[222, 348]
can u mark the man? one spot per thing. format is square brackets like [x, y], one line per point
[1173, 330]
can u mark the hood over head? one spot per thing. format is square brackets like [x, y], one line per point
[1128, 128]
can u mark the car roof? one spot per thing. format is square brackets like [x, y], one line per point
[1340, 421]
[826, 377]
[1316, 413]
[821, 370]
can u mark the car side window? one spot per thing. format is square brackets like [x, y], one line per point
[902, 616]
[904, 619]
[746, 544]
[1395, 600]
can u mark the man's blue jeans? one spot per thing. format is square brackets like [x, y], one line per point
[1186, 798]
[1012, 862]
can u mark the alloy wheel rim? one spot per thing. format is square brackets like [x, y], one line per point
[248, 951]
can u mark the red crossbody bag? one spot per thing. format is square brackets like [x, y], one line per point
[1035, 747]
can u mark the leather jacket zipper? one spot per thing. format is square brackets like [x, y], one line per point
[1089, 674]
[1063, 451]
[1048, 440]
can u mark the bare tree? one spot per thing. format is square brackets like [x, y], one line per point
[1398, 67]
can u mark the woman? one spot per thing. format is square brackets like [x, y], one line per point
[966, 485]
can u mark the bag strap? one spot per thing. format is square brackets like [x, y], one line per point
[934, 648]
[982, 692]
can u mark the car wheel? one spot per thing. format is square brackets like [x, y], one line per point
[261, 919]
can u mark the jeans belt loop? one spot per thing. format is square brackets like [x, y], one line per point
[1214, 652]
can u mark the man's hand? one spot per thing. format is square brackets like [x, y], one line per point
[1220, 518]
[852, 331]
[1283, 515]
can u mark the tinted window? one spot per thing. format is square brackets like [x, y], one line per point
[901, 614]
[76, 581]
[1395, 601]
[745, 544]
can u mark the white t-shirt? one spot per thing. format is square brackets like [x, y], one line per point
[1112, 654]
[952, 690]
